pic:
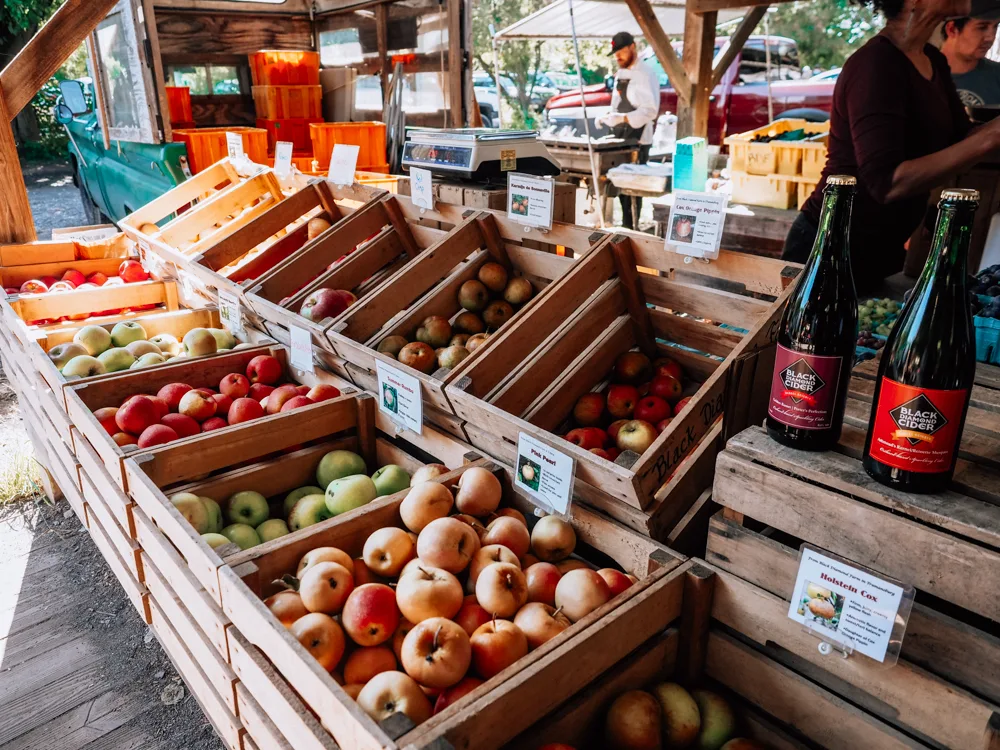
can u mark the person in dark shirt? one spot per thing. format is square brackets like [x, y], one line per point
[898, 126]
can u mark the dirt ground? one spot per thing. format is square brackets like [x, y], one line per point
[55, 201]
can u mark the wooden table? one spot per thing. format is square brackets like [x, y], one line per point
[749, 229]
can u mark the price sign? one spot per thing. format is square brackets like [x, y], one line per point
[283, 157]
[399, 397]
[302, 349]
[530, 199]
[695, 224]
[230, 312]
[545, 474]
[343, 164]
[234, 145]
[421, 188]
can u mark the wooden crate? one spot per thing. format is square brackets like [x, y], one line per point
[495, 199]
[39, 252]
[247, 578]
[14, 275]
[628, 293]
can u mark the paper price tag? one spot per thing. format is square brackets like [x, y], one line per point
[230, 312]
[545, 474]
[530, 199]
[421, 188]
[343, 164]
[399, 397]
[696, 222]
[283, 157]
[234, 145]
[302, 349]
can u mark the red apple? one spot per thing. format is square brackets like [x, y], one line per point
[636, 435]
[215, 423]
[162, 407]
[303, 390]
[663, 424]
[589, 409]
[206, 392]
[172, 392]
[49, 281]
[156, 434]
[197, 405]
[495, 646]
[279, 396]
[33, 286]
[666, 387]
[472, 615]
[182, 424]
[652, 409]
[322, 392]
[264, 369]
[325, 303]
[542, 578]
[234, 385]
[456, 692]
[587, 437]
[601, 453]
[580, 592]
[680, 405]
[123, 438]
[132, 271]
[136, 414]
[295, 403]
[614, 427]
[106, 417]
[616, 580]
[62, 286]
[667, 366]
[243, 410]
[633, 368]
[222, 403]
[622, 400]
[74, 277]
[97, 278]
[259, 391]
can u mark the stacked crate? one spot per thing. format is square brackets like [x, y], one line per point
[287, 97]
[179, 104]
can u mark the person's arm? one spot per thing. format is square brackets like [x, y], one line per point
[919, 175]
[646, 107]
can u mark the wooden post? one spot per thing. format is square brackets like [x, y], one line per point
[699, 586]
[658, 40]
[455, 63]
[699, 49]
[382, 39]
[736, 41]
[16, 221]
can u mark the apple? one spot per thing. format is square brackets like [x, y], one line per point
[632, 368]
[448, 544]
[325, 586]
[61, 354]
[272, 529]
[199, 342]
[495, 646]
[636, 435]
[147, 360]
[479, 492]
[419, 356]
[136, 414]
[277, 398]
[222, 403]
[456, 692]
[292, 403]
[337, 465]
[580, 592]
[123, 438]
[241, 535]
[83, 366]
[308, 510]
[287, 606]
[474, 522]
[370, 615]
[553, 539]
[172, 393]
[633, 722]
[126, 332]
[234, 385]
[493, 276]
[297, 494]
[62, 286]
[501, 589]
[74, 277]
[652, 409]
[473, 295]
[365, 663]
[348, 493]
[540, 622]
[452, 356]
[489, 555]
[718, 722]
[94, 339]
[436, 653]
[182, 424]
[33, 286]
[518, 291]
[424, 591]
[666, 387]
[573, 563]
[681, 717]
[322, 637]
[116, 359]
[244, 410]
[193, 509]
[403, 630]
[509, 532]
[325, 303]
[467, 323]
[106, 417]
[622, 401]
[391, 693]
[131, 271]
[167, 343]
[497, 313]
[475, 341]
[542, 579]
[302, 389]
[681, 405]
[139, 348]
[215, 423]
[223, 338]
[424, 503]
[325, 554]
[663, 424]
[247, 507]
[162, 408]
[387, 550]
[601, 453]
[96, 278]
[196, 405]
[616, 580]
[471, 615]
[667, 366]
[214, 514]
[392, 345]
[587, 437]
[322, 392]
[264, 369]
[589, 409]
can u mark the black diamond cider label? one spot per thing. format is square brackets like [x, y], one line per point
[804, 389]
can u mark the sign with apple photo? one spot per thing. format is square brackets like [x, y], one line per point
[400, 398]
[530, 199]
[545, 474]
[695, 223]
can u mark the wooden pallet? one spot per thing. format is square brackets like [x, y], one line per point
[246, 579]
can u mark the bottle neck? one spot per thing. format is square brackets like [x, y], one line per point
[832, 243]
[948, 257]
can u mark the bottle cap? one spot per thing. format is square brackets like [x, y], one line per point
[841, 179]
[960, 194]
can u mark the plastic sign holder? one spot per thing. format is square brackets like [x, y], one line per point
[234, 145]
[301, 354]
[545, 475]
[343, 164]
[230, 312]
[422, 189]
[531, 201]
[400, 398]
[694, 228]
[283, 157]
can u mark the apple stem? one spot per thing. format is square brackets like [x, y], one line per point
[556, 613]
[287, 582]
[434, 645]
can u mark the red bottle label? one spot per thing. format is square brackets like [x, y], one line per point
[804, 389]
[917, 429]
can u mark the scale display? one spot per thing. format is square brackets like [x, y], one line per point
[437, 155]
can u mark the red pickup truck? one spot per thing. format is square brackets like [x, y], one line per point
[739, 102]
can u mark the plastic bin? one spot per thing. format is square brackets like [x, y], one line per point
[370, 136]
[179, 104]
[987, 336]
[376, 179]
[775, 157]
[773, 191]
[205, 146]
[296, 131]
[288, 102]
[285, 68]
[804, 188]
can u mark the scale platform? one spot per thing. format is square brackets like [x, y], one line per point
[482, 155]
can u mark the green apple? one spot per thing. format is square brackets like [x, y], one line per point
[147, 360]
[198, 342]
[193, 509]
[247, 507]
[94, 339]
[307, 511]
[349, 493]
[167, 343]
[126, 332]
[61, 355]
[223, 338]
[116, 359]
[214, 514]
[272, 529]
[337, 464]
[295, 495]
[718, 723]
[390, 479]
[215, 539]
[241, 535]
[138, 348]
[83, 366]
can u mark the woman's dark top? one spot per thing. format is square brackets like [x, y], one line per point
[884, 113]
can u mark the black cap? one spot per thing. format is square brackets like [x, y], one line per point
[985, 10]
[621, 40]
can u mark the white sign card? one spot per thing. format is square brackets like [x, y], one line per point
[399, 397]
[695, 224]
[849, 606]
[544, 473]
[283, 157]
[343, 164]
[421, 188]
[230, 312]
[302, 349]
[234, 145]
[530, 199]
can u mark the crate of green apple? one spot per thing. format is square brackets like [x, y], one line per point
[425, 601]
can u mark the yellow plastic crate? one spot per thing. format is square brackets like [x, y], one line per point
[776, 157]
[773, 190]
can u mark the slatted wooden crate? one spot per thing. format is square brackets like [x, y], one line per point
[629, 294]
[14, 276]
[247, 579]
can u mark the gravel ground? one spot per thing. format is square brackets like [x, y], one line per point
[55, 201]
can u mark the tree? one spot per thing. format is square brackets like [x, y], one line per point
[827, 31]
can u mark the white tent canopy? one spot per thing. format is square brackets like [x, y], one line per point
[599, 19]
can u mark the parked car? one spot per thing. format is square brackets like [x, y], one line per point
[738, 103]
[486, 93]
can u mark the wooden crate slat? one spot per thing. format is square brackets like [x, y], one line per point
[257, 723]
[219, 176]
[703, 302]
[135, 591]
[80, 301]
[15, 275]
[126, 546]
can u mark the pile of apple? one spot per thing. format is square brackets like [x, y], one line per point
[639, 404]
[179, 411]
[342, 484]
[431, 611]
[95, 350]
[488, 302]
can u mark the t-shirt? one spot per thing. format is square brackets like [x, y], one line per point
[980, 87]
[884, 113]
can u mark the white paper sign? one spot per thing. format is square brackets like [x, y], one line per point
[695, 223]
[302, 349]
[230, 312]
[530, 199]
[234, 145]
[421, 188]
[544, 473]
[844, 604]
[399, 397]
[283, 157]
[343, 164]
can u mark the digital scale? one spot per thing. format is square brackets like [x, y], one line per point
[482, 155]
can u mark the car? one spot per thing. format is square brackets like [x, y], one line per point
[486, 92]
[559, 80]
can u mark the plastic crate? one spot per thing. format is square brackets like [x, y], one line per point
[773, 191]
[804, 188]
[987, 336]
[295, 131]
[370, 136]
[179, 104]
[377, 179]
[205, 146]
[775, 157]
[285, 68]
[288, 102]
[814, 154]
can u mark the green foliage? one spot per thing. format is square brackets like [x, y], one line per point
[19, 17]
[827, 31]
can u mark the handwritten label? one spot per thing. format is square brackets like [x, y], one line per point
[530, 199]
[399, 397]
[695, 224]
[230, 312]
[234, 145]
[302, 349]
[545, 474]
[421, 188]
[283, 157]
[343, 163]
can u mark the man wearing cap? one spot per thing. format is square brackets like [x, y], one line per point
[966, 42]
[635, 105]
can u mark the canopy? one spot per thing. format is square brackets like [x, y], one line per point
[599, 19]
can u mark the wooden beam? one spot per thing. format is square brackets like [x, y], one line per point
[658, 40]
[455, 58]
[48, 49]
[382, 42]
[736, 41]
[159, 74]
[704, 6]
[699, 49]
[16, 221]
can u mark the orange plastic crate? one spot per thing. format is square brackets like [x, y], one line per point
[370, 136]
[285, 68]
[179, 104]
[205, 146]
[296, 131]
[288, 102]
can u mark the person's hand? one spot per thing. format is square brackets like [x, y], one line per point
[613, 119]
[991, 131]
